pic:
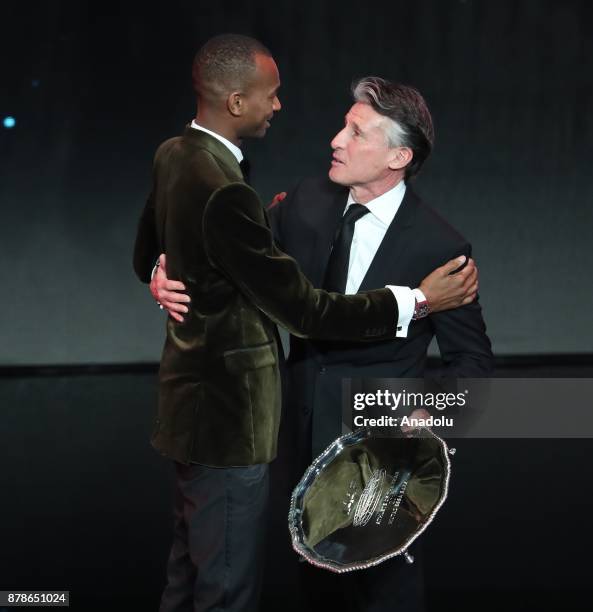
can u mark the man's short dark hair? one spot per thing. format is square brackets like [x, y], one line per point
[224, 64]
[411, 123]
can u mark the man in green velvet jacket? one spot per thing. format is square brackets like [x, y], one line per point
[219, 384]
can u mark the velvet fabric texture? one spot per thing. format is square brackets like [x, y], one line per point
[219, 392]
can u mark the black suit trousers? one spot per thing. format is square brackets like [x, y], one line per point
[216, 559]
[391, 586]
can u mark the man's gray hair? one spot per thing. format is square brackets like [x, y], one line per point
[409, 122]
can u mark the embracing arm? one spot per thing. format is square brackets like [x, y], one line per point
[242, 247]
[239, 243]
[146, 248]
[461, 335]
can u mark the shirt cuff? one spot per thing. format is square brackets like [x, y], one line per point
[406, 302]
[418, 295]
[156, 265]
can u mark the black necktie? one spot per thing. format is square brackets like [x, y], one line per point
[246, 170]
[336, 273]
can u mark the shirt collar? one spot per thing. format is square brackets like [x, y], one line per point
[385, 206]
[234, 149]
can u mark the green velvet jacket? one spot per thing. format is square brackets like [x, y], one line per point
[219, 382]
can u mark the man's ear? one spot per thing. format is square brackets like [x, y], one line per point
[235, 103]
[400, 158]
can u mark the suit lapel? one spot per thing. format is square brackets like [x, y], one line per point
[328, 219]
[203, 140]
[389, 255]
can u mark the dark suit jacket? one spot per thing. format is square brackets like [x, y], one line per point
[219, 399]
[417, 241]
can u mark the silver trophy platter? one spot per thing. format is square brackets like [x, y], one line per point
[365, 499]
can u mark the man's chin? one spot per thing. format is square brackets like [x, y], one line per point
[335, 176]
[263, 129]
[259, 132]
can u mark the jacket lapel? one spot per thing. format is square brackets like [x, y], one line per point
[328, 218]
[388, 258]
[227, 160]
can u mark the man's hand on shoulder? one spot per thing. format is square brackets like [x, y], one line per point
[167, 292]
[445, 288]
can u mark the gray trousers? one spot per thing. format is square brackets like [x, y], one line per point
[216, 560]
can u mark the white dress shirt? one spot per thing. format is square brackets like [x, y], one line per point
[369, 232]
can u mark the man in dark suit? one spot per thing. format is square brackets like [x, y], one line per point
[396, 242]
[219, 384]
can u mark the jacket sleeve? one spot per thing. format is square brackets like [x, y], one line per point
[461, 335]
[239, 242]
[146, 249]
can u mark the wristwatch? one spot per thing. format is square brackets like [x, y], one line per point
[421, 309]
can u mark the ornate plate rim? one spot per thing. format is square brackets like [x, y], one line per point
[350, 439]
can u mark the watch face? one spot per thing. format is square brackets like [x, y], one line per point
[366, 499]
[421, 310]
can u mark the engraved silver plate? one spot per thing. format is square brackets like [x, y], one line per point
[365, 499]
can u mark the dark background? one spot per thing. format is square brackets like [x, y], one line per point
[96, 86]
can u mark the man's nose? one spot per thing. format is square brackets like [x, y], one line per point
[276, 106]
[337, 141]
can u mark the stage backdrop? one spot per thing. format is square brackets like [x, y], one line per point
[94, 87]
